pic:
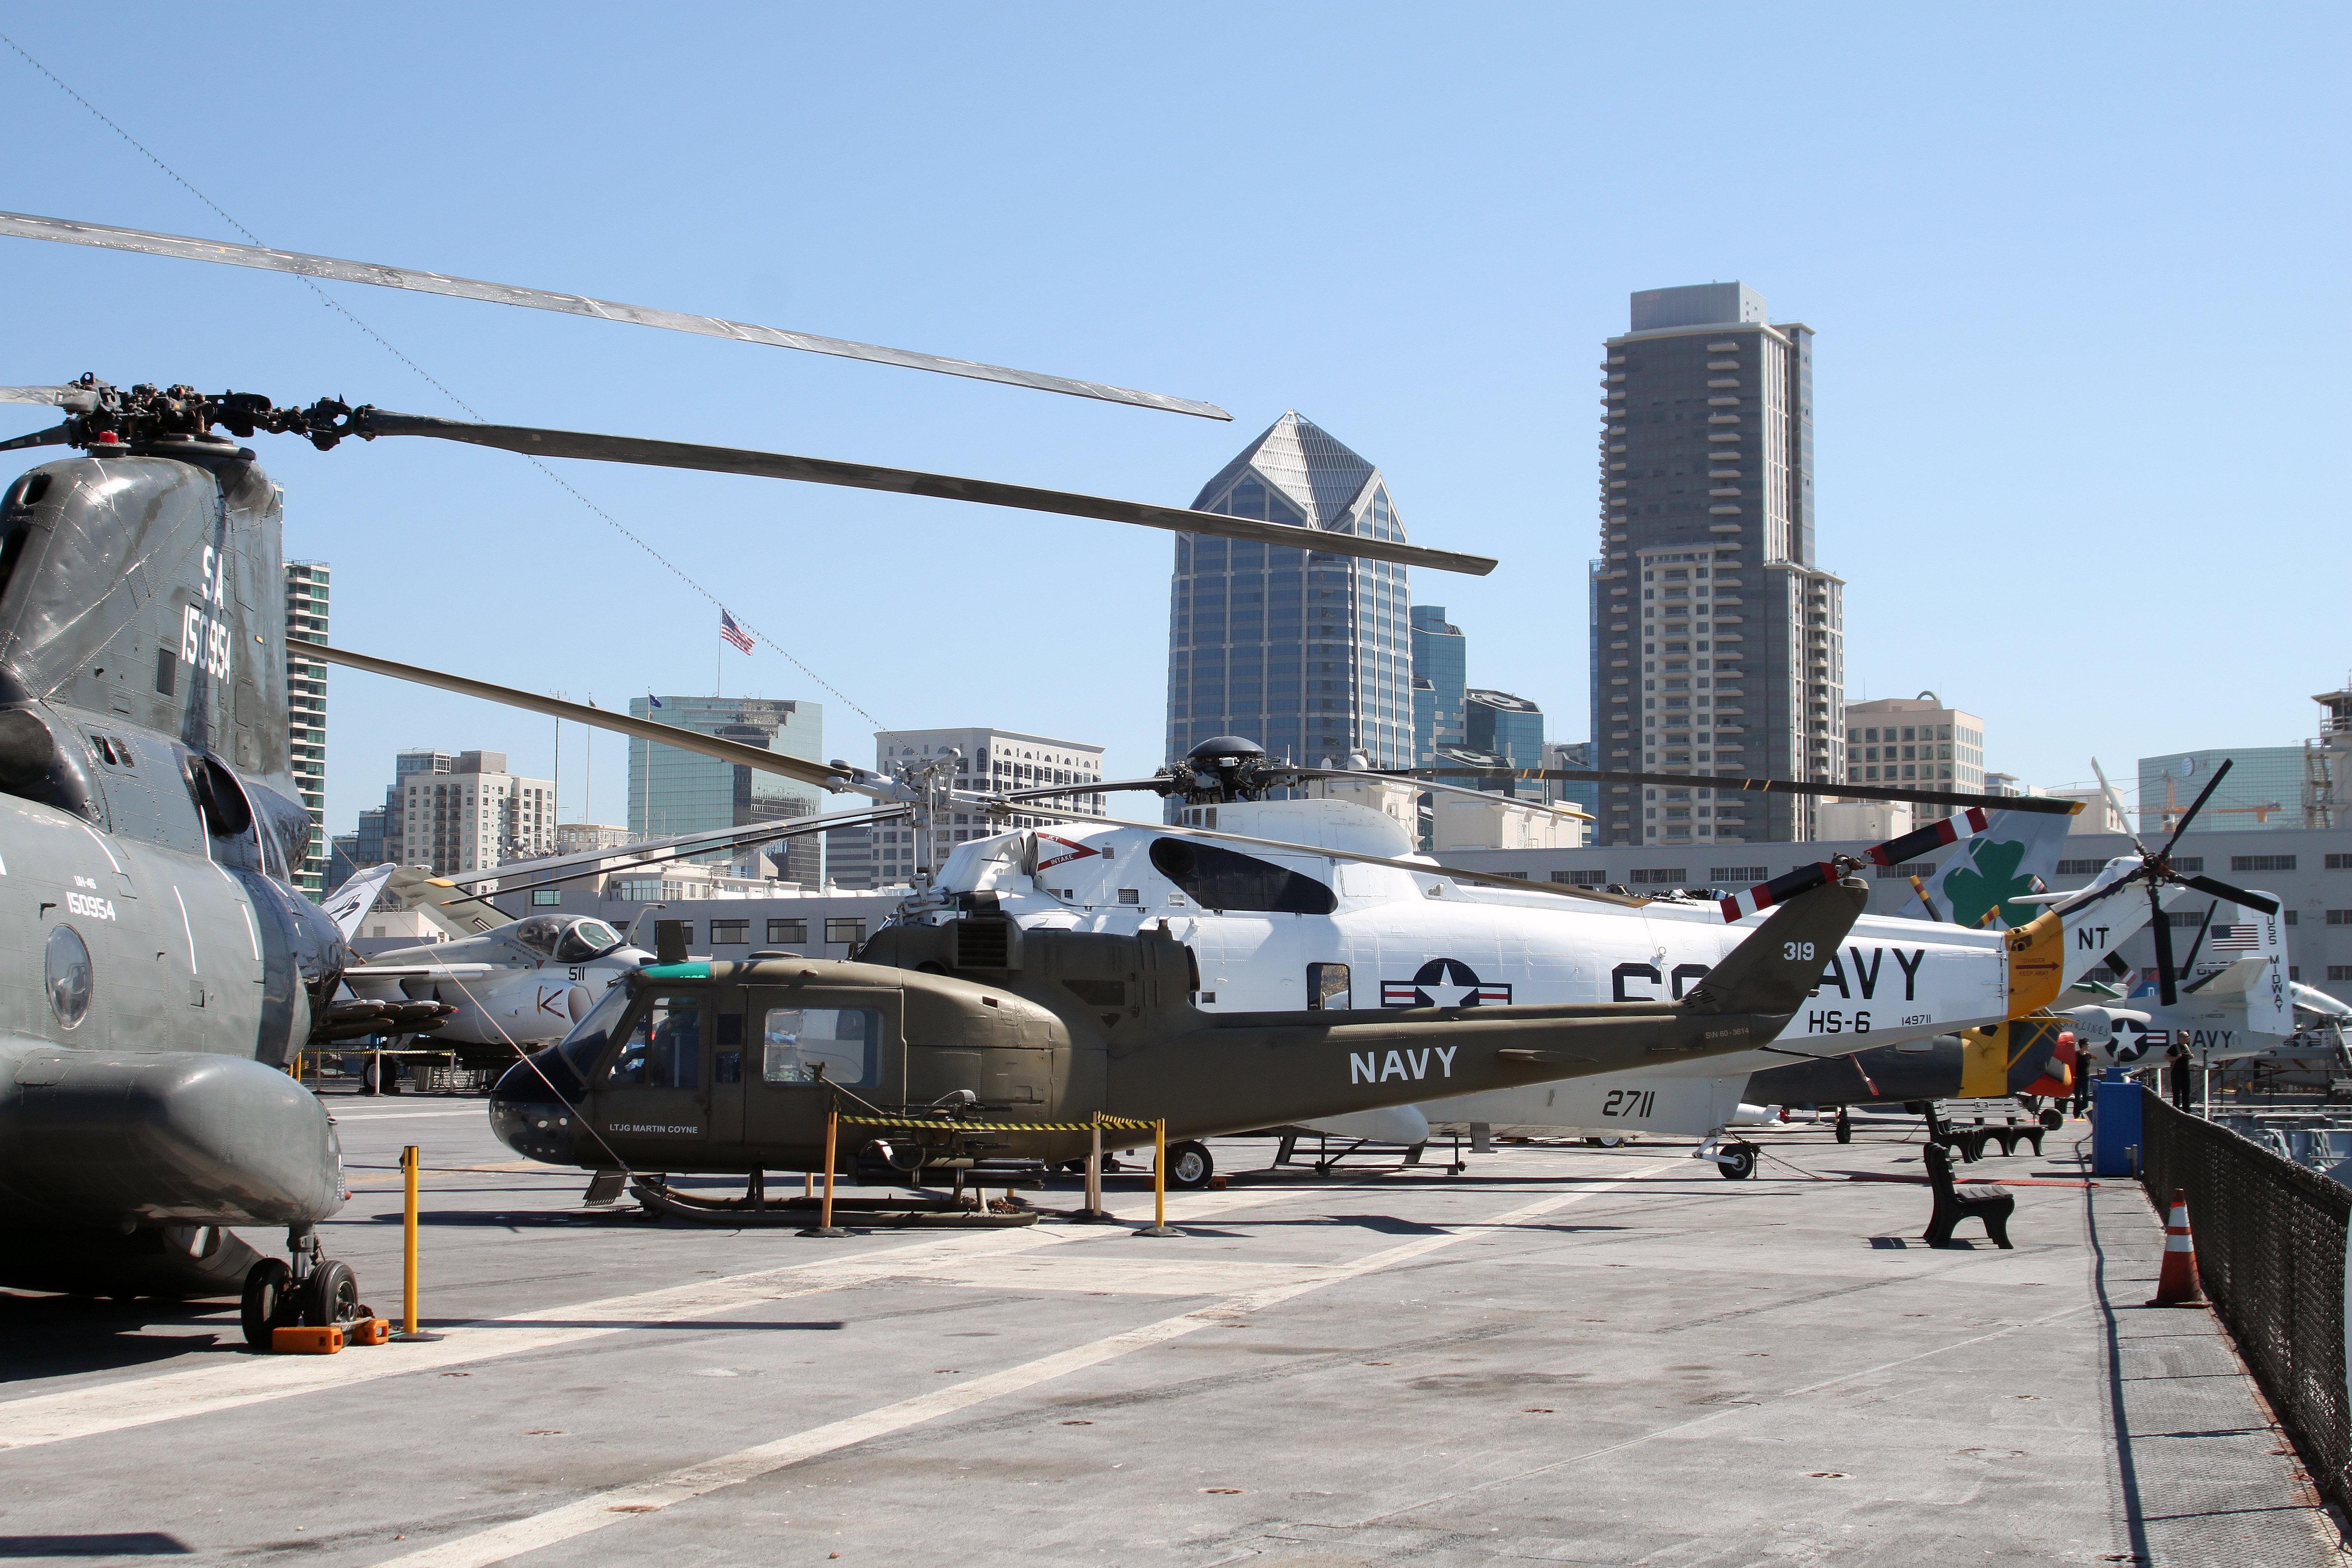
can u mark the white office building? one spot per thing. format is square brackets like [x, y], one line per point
[475, 816]
[984, 759]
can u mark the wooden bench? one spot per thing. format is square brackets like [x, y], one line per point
[1957, 1201]
[1968, 1142]
[2012, 1133]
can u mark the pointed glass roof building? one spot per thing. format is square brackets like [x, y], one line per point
[1308, 653]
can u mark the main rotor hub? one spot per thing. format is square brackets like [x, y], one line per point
[99, 415]
[1225, 768]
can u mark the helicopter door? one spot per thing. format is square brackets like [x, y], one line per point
[798, 1041]
[657, 1087]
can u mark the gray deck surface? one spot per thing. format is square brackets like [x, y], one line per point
[1567, 1355]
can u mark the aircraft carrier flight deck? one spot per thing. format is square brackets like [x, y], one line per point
[1564, 1355]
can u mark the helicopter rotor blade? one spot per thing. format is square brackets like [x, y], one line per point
[2195, 807]
[2162, 925]
[103, 236]
[2116, 803]
[2251, 900]
[610, 863]
[369, 422]
[1109, 787]
[82, 399]
[736, 751]
[2040, 804]
[55, 436]
[2029, 803]
[2197, 941]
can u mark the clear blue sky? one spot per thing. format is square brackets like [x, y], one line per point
[2078, 275]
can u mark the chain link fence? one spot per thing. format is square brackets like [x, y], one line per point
[2271, 1251]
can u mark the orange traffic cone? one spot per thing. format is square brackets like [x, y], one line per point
[2175, 1282]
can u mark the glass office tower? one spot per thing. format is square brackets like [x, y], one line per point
[1439, 670]
[1507, 725]
[1305, 652]
[673, 792]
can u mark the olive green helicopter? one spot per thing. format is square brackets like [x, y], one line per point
[149, 824]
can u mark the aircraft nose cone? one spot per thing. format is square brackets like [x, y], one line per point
[530, 1119]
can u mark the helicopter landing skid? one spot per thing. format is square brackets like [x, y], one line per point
[895, 1213]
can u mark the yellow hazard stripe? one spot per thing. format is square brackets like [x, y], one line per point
[1106, 1123]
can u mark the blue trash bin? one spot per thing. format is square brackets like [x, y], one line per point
[2116, 1129]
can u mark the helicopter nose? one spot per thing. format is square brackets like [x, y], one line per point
[530, 1118]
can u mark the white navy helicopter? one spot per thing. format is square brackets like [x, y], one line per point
[1325, 903]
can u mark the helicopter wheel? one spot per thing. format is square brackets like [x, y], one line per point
[331, 1296]
[1738, 1161]
[1190, 1166]
[266, 1287]
[1844, 1128]
[2053, 1119]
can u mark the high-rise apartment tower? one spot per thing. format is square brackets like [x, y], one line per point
[1720, 643]
[306, 715]
[469, 813]
[1306, 653]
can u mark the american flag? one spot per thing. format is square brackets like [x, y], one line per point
[2233, 939]
[733, 632]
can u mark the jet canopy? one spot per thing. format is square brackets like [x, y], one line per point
[573, 941]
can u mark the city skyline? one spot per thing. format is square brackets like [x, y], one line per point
[1964, 271]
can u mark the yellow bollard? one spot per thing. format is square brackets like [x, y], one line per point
[410, 1164]
[1159, 1225]
[1092, 1211]
[408, 1239]
[824, 1225]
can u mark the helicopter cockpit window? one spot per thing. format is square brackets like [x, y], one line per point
[1220, 879]
[843, 1040]
[65, 965]
[583, 940]
[665, 1049]
[539, 933]
[583, 1047]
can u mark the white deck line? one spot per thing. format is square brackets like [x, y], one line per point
[600, 1510]
[250, 1380]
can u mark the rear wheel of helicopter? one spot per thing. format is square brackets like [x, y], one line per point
[331, 1296]
[263, 1308]
[1190, 1166]
[1738, 1161]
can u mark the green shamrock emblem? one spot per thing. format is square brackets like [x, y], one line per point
[1989, 879]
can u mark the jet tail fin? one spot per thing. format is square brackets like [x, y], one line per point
[1780, 963]
[350, 903]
